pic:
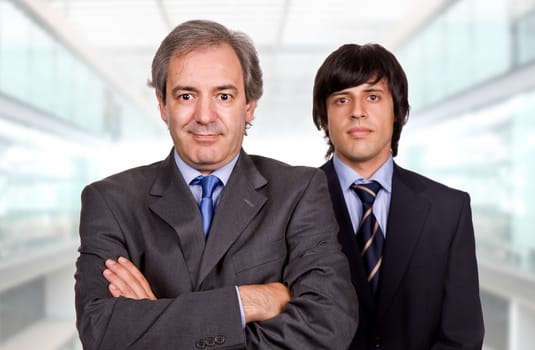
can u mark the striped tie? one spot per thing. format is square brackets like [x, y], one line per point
[369, 234]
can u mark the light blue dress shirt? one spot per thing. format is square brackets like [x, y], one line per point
[189, 173]
[347, 177]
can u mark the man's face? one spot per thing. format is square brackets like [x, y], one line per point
[206, 109]
[360, 124]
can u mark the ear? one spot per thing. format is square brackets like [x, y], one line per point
[163, 111]
[249, 110]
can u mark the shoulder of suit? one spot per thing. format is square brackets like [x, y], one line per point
[266, 162]
[130, 177]
[425, 183]
[270, 168]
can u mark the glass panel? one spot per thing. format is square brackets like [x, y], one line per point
[15, 51]
[41, 173]
[525, 30]
[37, 69]
[40, 181]
[42, 69]
[466, 44]
[500, 140]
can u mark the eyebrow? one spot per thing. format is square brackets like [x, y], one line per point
[369, 89]
[187, 88]
[182, 88]
[338, 93]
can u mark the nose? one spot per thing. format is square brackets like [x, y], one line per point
[204, 111]
[359, 110]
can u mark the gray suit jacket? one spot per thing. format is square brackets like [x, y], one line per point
[274, 222]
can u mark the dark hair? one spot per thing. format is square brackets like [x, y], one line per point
[352, 65]
[196, 34]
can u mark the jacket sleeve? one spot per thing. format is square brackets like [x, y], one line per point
[461, 325]
[323, 311]
[193, 320]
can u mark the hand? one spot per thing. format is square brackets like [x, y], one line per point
[126, 280]
[263, 301]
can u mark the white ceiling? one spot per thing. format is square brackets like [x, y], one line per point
[139, 24]
[292, 37]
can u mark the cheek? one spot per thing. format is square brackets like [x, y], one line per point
[389, 127]
[334, 127]
[234, 123]
[179, 117]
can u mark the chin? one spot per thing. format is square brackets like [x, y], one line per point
[208, 158]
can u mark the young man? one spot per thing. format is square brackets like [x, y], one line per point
[409, 240]
[212, 247]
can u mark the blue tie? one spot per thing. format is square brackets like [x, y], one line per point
[369, 234]
[209, 184]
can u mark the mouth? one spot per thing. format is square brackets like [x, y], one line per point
[199, 134]
[359, 132]
[204, 137]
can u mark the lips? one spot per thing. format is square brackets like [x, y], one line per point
[359, 132]
[204, 132]
[204, 137]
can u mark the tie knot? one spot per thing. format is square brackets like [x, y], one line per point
[367, 192]
[208, 183]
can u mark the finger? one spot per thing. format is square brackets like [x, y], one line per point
[125, 281]
[120, 287]
[139, 277]
[115, 292]
[134, 271]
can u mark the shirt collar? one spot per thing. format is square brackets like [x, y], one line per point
[189, 173]
[347, 176]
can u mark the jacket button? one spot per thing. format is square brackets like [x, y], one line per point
[200, 344]
[219, 339]
[377, 342]
[210, 341]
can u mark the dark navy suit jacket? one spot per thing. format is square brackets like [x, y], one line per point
[428, 296]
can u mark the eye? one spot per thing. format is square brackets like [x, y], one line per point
[341, 100]
[373, 98]
[185, 97]
[224, 97]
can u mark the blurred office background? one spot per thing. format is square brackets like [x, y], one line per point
[74, 107]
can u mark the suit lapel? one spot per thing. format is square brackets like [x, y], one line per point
[172, 200]
[348, 239]
[408, 212]
[239, 204]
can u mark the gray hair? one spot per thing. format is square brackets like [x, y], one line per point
[196, 34]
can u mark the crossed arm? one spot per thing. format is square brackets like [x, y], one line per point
[119, 310]
[260, 301]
